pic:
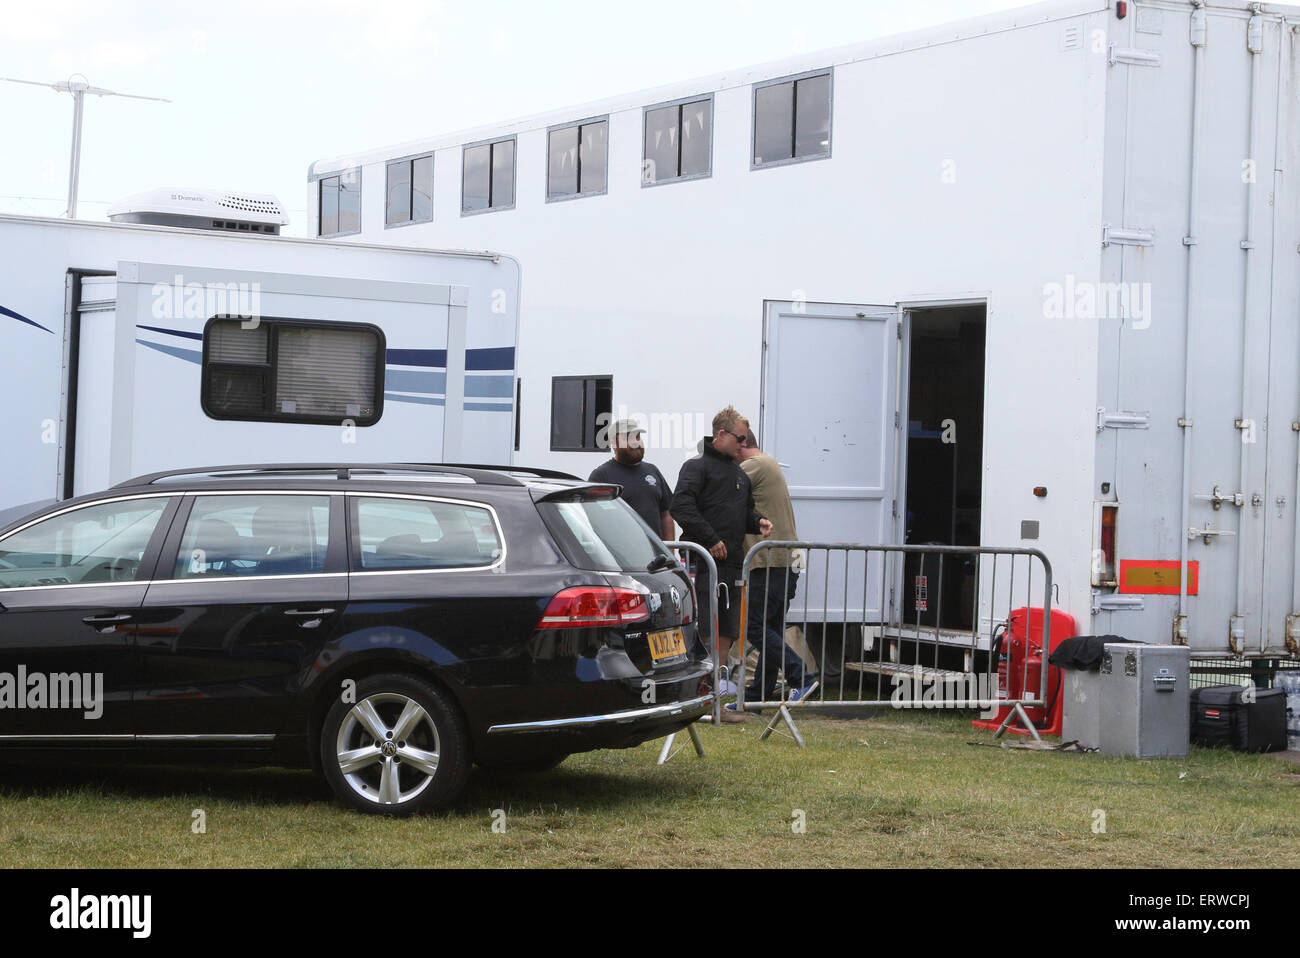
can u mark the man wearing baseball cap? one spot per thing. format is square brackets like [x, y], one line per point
[643, 484]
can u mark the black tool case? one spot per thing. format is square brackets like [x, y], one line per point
[1239, 717]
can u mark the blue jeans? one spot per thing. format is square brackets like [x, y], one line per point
[770, 592]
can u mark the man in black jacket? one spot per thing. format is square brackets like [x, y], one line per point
[714, 505]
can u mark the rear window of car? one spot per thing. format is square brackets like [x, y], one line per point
[601, 534]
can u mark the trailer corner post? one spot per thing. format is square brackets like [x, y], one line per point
[1197, 37]
[1237, 623]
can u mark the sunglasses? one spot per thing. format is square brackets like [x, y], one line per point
[741, 438]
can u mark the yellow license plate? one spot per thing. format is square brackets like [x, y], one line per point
[666, 644]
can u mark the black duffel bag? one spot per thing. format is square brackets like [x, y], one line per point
[1222, 717]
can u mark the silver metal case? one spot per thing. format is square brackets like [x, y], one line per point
[1145, 700]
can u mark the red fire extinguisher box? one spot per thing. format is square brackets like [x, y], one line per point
[1020, 669]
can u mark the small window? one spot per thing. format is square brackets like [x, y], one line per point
[229, 536]
[395, 534]
[340, 204]
[576, 158]
[96, 543]
[580, 407]
[488, 176]
[792, 120]
[410, 191]
[678, 141]
[280, 370]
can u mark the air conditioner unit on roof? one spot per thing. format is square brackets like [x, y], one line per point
[258, 213]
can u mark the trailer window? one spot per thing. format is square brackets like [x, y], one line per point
[410, 191]
[678, 141]
[580, 413]
[488, 176]
[340, 204]
[278, 370]
[792, 119]
[576, 159]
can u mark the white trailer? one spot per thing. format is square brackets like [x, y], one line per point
[1030, 281]
[331, 352]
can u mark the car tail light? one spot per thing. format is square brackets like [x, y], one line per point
[594, 605]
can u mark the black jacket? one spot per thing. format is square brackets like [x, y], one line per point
[714, 500]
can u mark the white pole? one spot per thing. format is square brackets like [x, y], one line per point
[78, 98]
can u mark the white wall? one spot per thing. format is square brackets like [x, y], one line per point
[663, 287]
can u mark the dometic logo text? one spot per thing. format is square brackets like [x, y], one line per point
[75, 911]
[57, 690]
[968, 690]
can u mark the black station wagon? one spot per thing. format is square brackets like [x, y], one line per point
[388, 625]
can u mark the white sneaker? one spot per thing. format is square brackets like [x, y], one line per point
[727, 687]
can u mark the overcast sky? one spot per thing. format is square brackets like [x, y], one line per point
[261, 89]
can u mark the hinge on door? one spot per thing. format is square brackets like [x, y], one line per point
[898, 419]
[1134, 56]
[894, 508]
[1181, 633]
[1293, 633]
[1122, 420]
[1126, 236]
[1237, 634]
[1113, 602]
[898, 330]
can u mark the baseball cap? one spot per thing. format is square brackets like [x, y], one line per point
[627, 427]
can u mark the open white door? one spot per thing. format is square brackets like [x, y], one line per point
[829, 416]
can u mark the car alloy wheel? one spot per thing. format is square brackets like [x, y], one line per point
[387, 748]
[399, 748]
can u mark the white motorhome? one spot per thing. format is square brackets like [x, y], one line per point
[129, 348]
[1025, 280]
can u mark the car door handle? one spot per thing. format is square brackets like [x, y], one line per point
[106, 623]
[308, 618]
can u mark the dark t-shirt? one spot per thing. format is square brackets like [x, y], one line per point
[644, 488]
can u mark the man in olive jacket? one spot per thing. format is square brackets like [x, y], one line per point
[714, 505]
[773, 578]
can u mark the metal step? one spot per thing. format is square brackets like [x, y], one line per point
[963, 638]
[896, 668]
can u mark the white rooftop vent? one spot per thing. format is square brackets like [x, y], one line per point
[202, 210]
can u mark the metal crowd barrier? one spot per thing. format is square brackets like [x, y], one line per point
[667, 751]
[876, 629]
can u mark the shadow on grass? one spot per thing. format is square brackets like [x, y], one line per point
[278, 787]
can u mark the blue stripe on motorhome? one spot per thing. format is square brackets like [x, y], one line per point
[488, 407]
[408, 380]
[437, 358]
[492, 358]
[490, 386]
[416, 381]
[497, 357]
[23, 319]
[423, 400]
[171, 332]
[189, 355]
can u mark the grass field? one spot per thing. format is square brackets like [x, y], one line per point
[899, 789]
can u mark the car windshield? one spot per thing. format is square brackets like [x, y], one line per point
[602, 534]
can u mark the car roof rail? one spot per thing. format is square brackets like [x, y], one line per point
[516, 470]
[484, 475]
